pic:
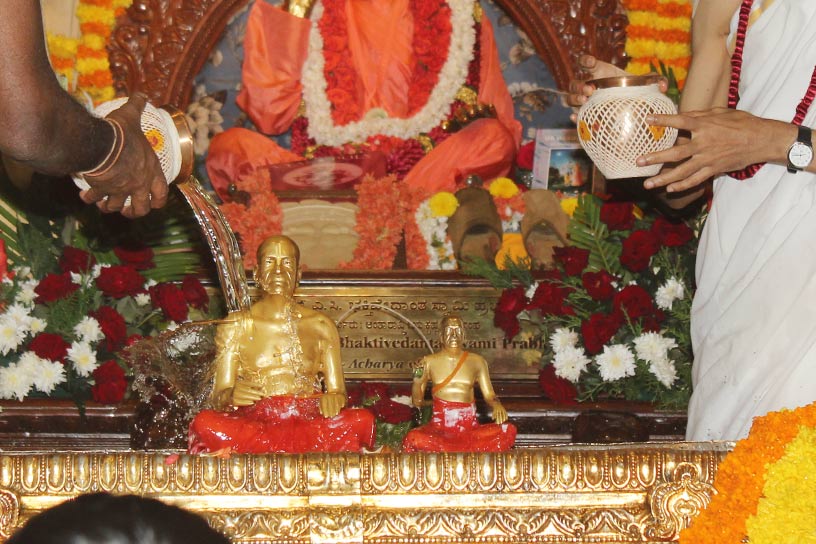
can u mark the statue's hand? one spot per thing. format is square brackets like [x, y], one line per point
[332, 403]
[499, 413]
[246, 393]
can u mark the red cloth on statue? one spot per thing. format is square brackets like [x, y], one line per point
[283, 424]
[275, 49]
[454, 427]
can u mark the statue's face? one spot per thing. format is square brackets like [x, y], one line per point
[277, 271]
[454, 334]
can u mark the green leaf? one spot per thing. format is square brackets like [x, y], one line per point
[587, 231]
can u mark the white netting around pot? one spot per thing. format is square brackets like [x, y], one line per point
[612, 129]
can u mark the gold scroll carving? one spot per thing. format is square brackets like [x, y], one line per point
[626, 493]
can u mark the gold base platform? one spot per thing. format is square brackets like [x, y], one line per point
[622, 493]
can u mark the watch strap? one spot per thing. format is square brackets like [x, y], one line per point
[803, 136]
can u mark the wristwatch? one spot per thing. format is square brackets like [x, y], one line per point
[800, 154]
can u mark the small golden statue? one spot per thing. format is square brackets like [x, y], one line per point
[453, 373]
[268, 393]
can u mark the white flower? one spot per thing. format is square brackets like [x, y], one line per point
[530, 292]
[669, 292]
[15, 382]
[89, 330]
[44, 375]
[664, 371]
[616, 362]
[11, 335]
[26, 295]
[37, 325]
[652, 346]
[96, 270]
[20, 314]
[142, 299]
[83, 357]
[569, 363]
[563, 339]
[403, 399]
[434, 231]
[150, 283]
[22, 272]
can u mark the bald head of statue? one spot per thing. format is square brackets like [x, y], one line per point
[278, 269]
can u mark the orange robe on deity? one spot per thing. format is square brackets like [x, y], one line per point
[282, 424]
[381, 53]
[455, 428]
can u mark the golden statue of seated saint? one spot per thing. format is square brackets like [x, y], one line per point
[278, 383]
[453, 374]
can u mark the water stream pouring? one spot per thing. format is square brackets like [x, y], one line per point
[176, 158]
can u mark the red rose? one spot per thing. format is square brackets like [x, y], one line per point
[374, 390]
[110, 383]
[618, 215]
[120, 281]
[508, 323]
[169, 298]
[54, 287]
[140, 258]
[557, 389]
[75, 260]
[551, 298]
[49, 346]
[573, 259]
[598, 330]
[638, 249]
[511, 301]
[599, 284]
[392, 412]
[194, 293]
[113, 326]
[634, 301]
[671, 234]
[524, 157]
[652, 322]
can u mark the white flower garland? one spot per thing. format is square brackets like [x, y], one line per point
[451, 78]
[434, 231]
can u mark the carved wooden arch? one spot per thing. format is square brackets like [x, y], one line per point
[159, 46]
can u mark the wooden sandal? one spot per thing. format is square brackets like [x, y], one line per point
[544, 226]
[475, 229]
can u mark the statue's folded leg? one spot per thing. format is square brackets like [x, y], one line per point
[484, 148]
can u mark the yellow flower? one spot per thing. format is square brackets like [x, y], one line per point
[95, 14]
[503, 188]
[62, 47]
[569, 205]
[512, 248]
[88, 65]
[443, 204]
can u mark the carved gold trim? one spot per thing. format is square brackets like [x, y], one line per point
[559, 494]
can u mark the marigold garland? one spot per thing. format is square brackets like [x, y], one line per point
[83, 62]
[743, 480]
[659, 31]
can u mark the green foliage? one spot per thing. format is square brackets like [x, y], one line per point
[587, 231]
[392, 434]
[673, 90]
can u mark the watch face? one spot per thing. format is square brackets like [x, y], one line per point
[800, 155]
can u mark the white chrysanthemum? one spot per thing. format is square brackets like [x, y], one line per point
[530, 292]
[26, 295]
[20, 314]
[651, 346]
[669, 292]
[37, 325]
[569, 363]
[96, 270]
[11, 335]
[14, 382]
[664, 371]
[437, 243]
[403, 399]
[89, 330]
[84, 358]
[563, 339]
[142, 299]
[616, 362]
[42, 374]
[22, 272]
[150, 283]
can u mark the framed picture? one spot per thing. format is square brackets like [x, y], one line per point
[560, 164]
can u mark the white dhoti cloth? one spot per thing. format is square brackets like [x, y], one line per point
[754, 313]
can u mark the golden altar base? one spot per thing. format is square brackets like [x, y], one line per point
[623, 493]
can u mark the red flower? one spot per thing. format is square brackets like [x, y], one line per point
[598, 330]
[557, 389]
[671, 234]
[573, 259]
[113, 326]
[508, 323]
[634, 301]
[371, 390]
[169, 298]
[132, 339]
[355, 396]
[110, 383]
[524, 157]
[652, 322]
[618, 215]
[75, 260]
[512, 301]
[599, 284]
[120, 281]
[140, 258]
[54, 287]
[638, 249]
[392, 412]
[49, 346]
[194, 293]
[551, 298]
